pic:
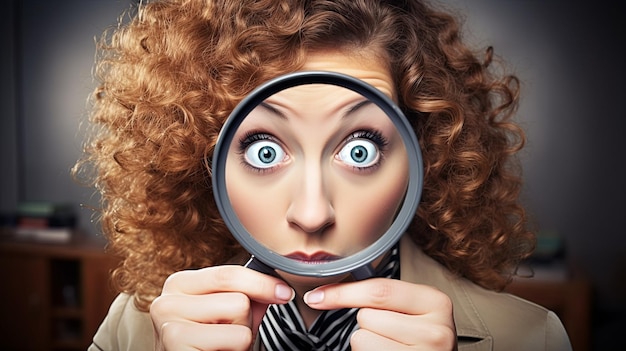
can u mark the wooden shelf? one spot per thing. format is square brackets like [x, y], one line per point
[55, 295]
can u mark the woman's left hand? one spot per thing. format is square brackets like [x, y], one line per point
[394, 315]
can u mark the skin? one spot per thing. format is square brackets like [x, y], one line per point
[220, 308]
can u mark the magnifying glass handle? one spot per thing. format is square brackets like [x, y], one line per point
[363, 272]
[259, 266]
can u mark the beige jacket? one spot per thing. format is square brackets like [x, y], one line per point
[485, 320]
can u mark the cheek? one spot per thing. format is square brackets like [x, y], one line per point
[255, 206]
[367, 215]
[374, 215]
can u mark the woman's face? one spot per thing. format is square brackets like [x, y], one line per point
[317, 172]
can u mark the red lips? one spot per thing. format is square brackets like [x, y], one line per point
[315, 258]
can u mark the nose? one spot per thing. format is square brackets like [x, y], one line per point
[311, 209]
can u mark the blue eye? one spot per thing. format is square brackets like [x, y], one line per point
[264, 154]
[359, 153]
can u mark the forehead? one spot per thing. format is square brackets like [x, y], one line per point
[367, 68]
[314, 98]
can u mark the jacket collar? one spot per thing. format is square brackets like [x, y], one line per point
[416, 267]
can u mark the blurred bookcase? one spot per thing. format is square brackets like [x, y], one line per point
[55, 294]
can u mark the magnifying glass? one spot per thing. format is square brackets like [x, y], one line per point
[369, 142]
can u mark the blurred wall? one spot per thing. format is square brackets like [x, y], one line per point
[8, 114]
[46, 78]
[566, 54]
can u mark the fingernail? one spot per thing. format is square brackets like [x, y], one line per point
[313, 297]
[284, 292]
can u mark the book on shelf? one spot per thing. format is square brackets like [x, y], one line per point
[45, 221]
[45, 234]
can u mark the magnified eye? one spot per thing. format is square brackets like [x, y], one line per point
[264, 154]
[361, 153]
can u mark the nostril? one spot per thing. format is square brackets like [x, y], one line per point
[312, 225]
[312, 219]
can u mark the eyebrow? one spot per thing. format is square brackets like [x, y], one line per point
[357, 106]
[272, 110]
[350, 111]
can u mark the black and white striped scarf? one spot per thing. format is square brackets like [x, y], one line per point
[283, 329]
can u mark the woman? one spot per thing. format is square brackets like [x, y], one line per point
[169, 79]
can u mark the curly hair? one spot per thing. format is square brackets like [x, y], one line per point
[170, 75]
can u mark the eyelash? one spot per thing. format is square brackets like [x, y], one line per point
[251, 137]
[373, 135]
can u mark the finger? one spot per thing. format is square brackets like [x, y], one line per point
[227, 308]
[413, 330]
[181, 335]
[260, 287]
[380, 293]
[365, 340]
[392, 325]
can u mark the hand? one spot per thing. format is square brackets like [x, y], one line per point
[394, 315]
[215, 308]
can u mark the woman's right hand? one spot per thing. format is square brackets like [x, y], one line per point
[215, 308]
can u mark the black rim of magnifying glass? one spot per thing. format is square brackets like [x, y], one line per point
[359, 263]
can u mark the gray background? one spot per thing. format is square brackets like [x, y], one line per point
[566, 53]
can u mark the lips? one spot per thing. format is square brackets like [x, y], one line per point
[315, 258]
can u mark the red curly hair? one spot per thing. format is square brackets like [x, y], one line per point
[172, 73]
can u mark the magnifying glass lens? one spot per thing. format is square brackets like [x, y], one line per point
[316, 173]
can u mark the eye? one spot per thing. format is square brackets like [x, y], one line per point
[264, 154]
[360, 153]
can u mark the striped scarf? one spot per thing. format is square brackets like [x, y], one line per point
[283, 329]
